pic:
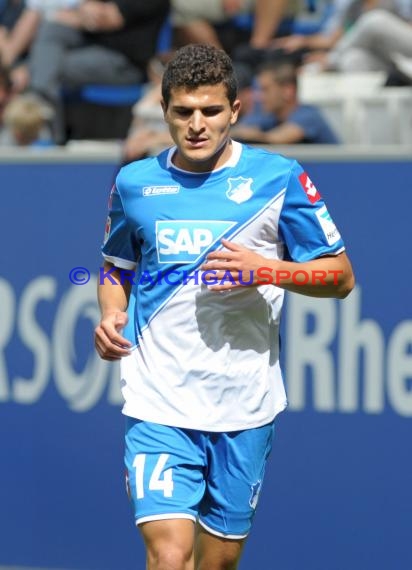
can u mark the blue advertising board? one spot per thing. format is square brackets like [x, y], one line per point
[337, 495]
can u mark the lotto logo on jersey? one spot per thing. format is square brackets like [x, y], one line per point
[185, 241]
[309, 188]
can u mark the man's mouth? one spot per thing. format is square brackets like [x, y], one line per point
[196, 141]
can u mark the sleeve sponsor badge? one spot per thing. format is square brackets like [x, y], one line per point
[110, 202]
[329, 229]
[309, 188]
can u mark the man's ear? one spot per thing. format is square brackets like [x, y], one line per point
[235, 111]
[164, 107]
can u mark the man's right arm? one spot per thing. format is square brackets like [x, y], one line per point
[113, 297]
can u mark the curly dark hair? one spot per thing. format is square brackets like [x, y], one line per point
[195, 65]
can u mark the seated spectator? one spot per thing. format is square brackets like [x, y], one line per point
[306, 26]
[216, 22]
[331, 28]
[282, 119]
[5, 97]
[26, 120]
[367, 35]
[103, 42]
[373, 43]
[9, 14]
[17, 42]
[148, 130]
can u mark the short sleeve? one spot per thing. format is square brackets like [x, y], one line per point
[120, 246]
[305, 223]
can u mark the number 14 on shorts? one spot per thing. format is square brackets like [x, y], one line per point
[160, 479]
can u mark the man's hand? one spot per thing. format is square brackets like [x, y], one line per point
[109, 343]
[100, 16]
[240, 262]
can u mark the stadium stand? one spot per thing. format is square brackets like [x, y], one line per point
[360, 108]
[111, 105]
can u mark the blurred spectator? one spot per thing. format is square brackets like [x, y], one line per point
[336, 18]
[282, 118]
[26, 121]
[16, 43]
[5, 96]
[367, 34]
[307, 25]
[224, 23]
[148, 131]
[103, 42]
[374, 42]
[10, 11]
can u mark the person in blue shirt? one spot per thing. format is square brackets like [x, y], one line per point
[280, 118]
[201, 241]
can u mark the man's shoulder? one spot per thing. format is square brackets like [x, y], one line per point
[150, 166]
[266, 158]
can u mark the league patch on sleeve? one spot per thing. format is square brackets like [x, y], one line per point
[309, 188]
[107, 229]
[328, 226]
[110, 202]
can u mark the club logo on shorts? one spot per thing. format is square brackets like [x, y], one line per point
[254, 497]
[185, 241]
[239, 189]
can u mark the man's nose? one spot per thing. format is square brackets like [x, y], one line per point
[197, 121]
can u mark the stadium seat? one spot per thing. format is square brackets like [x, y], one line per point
[112, 95]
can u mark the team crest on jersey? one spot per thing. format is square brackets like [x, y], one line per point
[254, 497]
[239, 189]
[185, 241]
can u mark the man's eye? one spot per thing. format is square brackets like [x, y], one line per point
[183, 112]
[211, 112]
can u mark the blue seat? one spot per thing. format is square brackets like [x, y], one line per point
[111, 95]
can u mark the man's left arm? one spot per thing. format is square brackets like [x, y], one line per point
[316, 263]
[327, 276]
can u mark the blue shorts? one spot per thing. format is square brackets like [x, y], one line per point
[212, 478]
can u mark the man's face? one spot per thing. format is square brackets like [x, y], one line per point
[199, 122]
[271, 92]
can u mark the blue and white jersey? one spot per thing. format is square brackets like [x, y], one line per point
[203, 359]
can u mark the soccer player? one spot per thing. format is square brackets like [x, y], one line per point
[201, 242]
